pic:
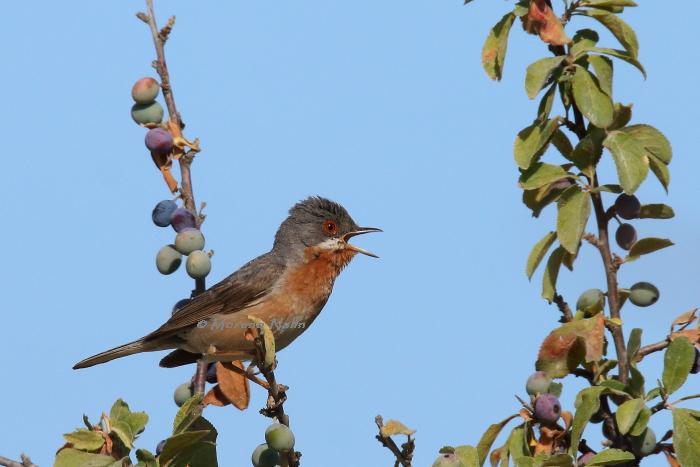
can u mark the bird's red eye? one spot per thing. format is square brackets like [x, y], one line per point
[330, 228]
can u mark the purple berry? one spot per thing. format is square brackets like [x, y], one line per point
[627, 206]
[159, 448]
[547, 408]
[696, 365]
[182, 219]
[145, 90]
[162, 212]
[159, 141]
[211, 373]
[626, 236]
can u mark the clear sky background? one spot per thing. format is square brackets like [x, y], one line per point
[380, 105]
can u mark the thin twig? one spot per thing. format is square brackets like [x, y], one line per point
[25, 462]
[567, 315]
[651, 348]
[184, 159]
[403, 456]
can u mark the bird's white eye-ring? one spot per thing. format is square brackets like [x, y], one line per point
[330, 228]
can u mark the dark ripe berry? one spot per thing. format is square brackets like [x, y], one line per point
[162, 212]
[264, 456]
[180, 304]
[147, 113]
[159, 448]
[279, 437]
[538, 383]
[696, 365]
[591, 301]
[547, 408]
[159, 141]
[626, 236]
[447, 460]
[644, 294]
[182, 219]
[145, 90]
[583, 460]
[627, 206]
[211, 373]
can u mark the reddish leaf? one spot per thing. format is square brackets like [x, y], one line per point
[541, 20]
[215, 397]
[233, 385]
[570, 345]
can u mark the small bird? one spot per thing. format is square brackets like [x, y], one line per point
[286, 287]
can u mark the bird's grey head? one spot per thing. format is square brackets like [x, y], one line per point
[319, 222]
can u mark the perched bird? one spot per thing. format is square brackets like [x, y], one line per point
[286, 287]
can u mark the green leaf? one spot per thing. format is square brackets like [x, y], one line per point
[538, 252]
[145, 458]
[493, 54]
[177, 446]
[610, 457]
[489, 437]
[539, 73]
[583, 40]
[603, 68]
[587, 404]
[646, 246]
[622, 55]
[623, 115]
[627, 414]
[541, 174]
[562, 143]
[545, 107]
[125, 423]
[640, 425]
[656, 211]
[468, 455]
[188, 413]
[661, 171]
[653, 140]
[621, 30]
[634, 343]
[72, 458]
[587, 152]
[517, 443]
[591, 99]
[630, 158]
[574, 207]
[609, 188]
[85, 440]
[678, 361]
[551, 272]
[532, 140]
[686, 437]
[606, 3]
[554, 460]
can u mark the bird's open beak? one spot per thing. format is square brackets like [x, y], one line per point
[360, 231]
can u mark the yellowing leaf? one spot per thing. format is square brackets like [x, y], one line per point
[493, 54]
[395, 427]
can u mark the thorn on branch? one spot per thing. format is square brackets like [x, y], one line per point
[143, 17]
[25, 462]
[165, 31]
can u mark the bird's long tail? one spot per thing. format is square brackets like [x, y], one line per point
[139, 345]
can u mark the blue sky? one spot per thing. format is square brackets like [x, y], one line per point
[382, 106]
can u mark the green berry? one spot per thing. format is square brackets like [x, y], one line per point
[538, 383]
[147, 113]
[198, 264]
[447, 460]
[145, 90]
[189, 240]
[182, 393]
[264, 456]
[591, 301]
[644, 294]
[644, 444]
[168, 259]
[279, 437]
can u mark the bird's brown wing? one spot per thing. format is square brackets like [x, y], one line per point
[249, 284]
